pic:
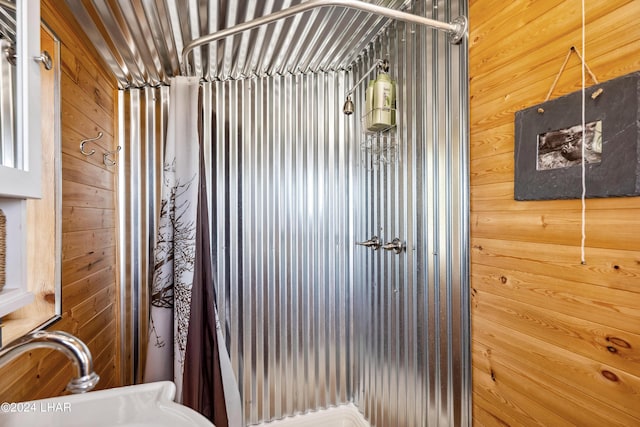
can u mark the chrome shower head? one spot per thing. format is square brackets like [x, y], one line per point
[348, 106]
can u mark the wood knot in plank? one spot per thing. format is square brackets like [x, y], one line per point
[618, 342]
[503, 280]
[609, 375]
[98, 96]
[50, 297]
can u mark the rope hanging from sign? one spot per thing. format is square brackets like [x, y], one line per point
[584, 68]
[573, 49]
[583, 228]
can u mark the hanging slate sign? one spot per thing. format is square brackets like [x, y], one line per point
[548, 144]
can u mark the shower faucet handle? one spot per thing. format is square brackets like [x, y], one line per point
[395, 245]
[373, 243]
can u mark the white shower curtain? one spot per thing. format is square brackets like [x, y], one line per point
[175, 238]
[175, 253]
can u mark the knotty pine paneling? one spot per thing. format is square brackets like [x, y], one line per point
[89, 279]
[555, 342]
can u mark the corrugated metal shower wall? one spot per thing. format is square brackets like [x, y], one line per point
[143, 121]
[282, 223]
[411, 321]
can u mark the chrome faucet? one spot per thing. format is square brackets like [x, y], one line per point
[395, 245]
[86, 379]
[373, 243]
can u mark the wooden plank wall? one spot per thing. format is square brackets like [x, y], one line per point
[89, 278]
[554, 342]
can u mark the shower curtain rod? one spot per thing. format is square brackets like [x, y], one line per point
[456, 28]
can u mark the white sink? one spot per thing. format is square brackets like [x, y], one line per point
[143, 405]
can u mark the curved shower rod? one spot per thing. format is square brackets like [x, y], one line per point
[456, 28]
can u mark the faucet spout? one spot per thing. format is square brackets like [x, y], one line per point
[85, 380]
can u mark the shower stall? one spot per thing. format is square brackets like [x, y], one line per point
[310, 318]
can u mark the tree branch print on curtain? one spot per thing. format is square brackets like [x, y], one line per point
[175, 247]
[174, 254]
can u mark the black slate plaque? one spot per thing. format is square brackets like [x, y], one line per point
[548, 145]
